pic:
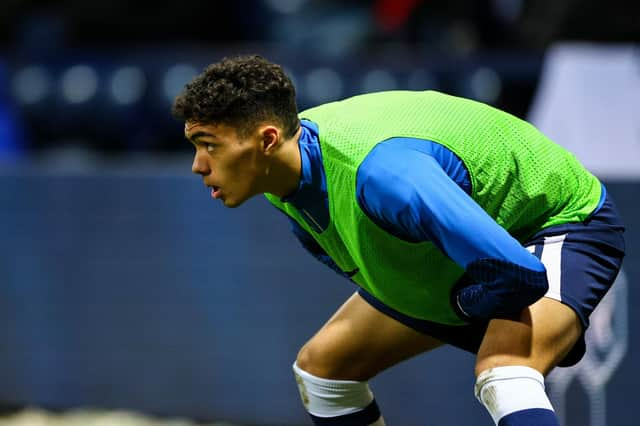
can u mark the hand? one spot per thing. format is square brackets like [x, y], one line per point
[497, 289]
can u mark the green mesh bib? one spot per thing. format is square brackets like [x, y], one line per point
[522, 179]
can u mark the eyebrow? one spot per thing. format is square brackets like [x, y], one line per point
[200, 134]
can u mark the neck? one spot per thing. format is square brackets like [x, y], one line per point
[286, 167]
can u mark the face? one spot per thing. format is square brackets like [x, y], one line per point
[233, 167]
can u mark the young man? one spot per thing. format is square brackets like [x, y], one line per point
[461, 224]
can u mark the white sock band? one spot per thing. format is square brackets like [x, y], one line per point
[505, 390]
[331, 398]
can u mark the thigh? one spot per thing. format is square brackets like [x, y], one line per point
[543, 335]
[582, 261]
[359, 341]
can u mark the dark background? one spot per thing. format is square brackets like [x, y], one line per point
[122, 286]
[101, 75]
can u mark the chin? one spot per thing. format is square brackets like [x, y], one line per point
[236, 200]
[232, 203]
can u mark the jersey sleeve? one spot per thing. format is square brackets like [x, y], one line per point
[409, 194]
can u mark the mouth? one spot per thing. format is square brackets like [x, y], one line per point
[215, 191]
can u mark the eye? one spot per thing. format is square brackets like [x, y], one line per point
[210, 147]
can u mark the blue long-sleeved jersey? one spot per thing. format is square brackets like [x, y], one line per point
[419, 190]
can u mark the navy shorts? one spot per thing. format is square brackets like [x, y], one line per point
[582, 262]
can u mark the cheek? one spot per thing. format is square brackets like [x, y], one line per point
[243, 170]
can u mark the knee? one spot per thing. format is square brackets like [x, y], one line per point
[542, 360]
[332, 363]
[498, 360]
[305, 359]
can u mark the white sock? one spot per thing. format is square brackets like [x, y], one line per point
[510, 389]
[335, 398]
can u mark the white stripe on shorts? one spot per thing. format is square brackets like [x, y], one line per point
[551, 258]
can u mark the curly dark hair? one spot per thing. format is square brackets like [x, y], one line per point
[242, 92]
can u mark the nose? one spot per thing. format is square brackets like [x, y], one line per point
[200, 164]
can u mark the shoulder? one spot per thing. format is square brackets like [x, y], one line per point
[395, 168]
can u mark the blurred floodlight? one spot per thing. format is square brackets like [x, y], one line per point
[378, 80]
[79, 84]
[127, 85]
[285, 6]
[421, 80]
[485, 85]
[31, 85]
[176, 78]
[323, 84]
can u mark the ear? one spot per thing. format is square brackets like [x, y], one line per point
[270, 139]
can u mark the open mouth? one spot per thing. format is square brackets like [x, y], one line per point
[215, 191]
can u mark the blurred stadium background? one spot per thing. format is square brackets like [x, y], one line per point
[127, 297]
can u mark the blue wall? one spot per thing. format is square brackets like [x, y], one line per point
[134, 290]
